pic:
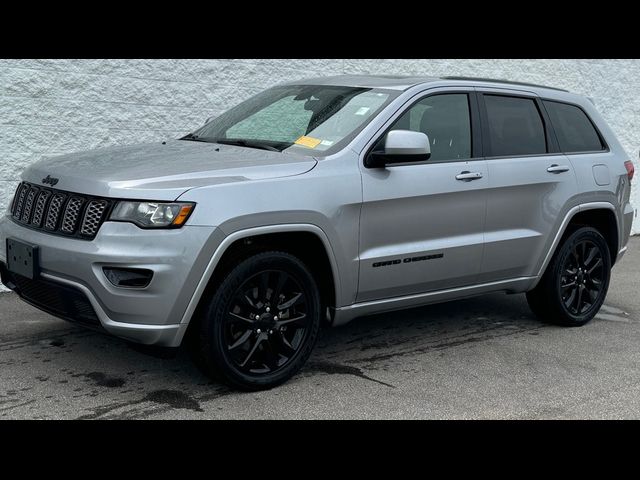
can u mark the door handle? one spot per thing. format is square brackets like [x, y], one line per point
[467, 176]
[557, 168]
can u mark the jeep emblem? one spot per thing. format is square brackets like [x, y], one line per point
[50, 180]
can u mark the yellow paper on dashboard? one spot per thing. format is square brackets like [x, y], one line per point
[308, 142]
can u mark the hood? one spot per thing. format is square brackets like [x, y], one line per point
[163, 171]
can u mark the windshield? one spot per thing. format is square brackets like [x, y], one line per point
[311, 119]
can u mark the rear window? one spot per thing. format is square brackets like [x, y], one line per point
[515, 126]
[574, 130]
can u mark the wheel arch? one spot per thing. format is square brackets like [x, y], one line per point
[599, 215]
[243, 243]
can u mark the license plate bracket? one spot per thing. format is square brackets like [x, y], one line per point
[22, 258]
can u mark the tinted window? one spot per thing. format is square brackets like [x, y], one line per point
[573, 128]
[445, 119]
[515, 126]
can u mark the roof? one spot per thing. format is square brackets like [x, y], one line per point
[402, 82]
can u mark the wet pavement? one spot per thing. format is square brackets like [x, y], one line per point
[485, 357]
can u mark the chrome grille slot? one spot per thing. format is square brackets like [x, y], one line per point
[59, 212]
[54, 211]
[22, 193]
[38, 212]
[71, 214]
[93, 217]
[28, 204]
[14, 204]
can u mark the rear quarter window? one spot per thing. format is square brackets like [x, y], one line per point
[574, 130]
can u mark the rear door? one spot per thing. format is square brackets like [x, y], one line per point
[530, 182]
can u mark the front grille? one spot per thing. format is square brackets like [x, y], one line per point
[60, 300]
[57, 212]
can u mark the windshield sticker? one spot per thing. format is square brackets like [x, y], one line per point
[362, 111]
[326, 143]
[308, 142]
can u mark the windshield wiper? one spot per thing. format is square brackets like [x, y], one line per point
[249, 144]
[195, 138]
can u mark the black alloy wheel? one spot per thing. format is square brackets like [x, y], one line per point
[582, 277]
[267, 322]
[575, 283]
[262, 322]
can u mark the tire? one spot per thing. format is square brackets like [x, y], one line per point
[250, 352]
[575, 283]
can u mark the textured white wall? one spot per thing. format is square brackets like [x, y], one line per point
[50, 107]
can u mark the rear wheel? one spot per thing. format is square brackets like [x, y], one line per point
[576, 281]
[262, 323]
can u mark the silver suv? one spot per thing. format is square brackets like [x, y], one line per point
[322, 200]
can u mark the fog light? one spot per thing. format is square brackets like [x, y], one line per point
[128, 277]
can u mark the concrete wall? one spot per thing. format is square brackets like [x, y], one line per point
[50, 107]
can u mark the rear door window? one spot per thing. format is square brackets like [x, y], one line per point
[515, 126]
[574, 131]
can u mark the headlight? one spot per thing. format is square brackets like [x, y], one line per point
[152, 214]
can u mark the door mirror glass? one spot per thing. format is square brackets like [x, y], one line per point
[401, 146]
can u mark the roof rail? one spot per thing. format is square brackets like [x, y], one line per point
[494, 80]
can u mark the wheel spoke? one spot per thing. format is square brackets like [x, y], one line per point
[567, 285]
[248, 301]
[592, 253]
[569, 301]
[294, 301]
[271, 355]
[285, 347]
[590, 298]
[282, 279]
[249, 356]
[263, 286]
[242, 340]
[235, 318]
[596, 265]
[576, 257]
[299, 321]
[579, 302]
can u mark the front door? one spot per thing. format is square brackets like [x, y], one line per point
[422, 224]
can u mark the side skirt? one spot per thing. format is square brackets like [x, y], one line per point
[343, 315]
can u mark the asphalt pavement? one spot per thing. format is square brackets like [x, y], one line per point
[480, 358]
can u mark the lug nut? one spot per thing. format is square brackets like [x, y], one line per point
[258, 331]
[270, 332]
[275, 318]
[268, 309]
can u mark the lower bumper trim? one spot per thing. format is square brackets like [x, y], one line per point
[75, 303]
[62, 301]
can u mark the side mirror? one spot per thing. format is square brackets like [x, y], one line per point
[401, 146]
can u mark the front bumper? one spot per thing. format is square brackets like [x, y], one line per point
[150, 315]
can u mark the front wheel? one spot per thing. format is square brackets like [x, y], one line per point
[575, 284]
[262, 323]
